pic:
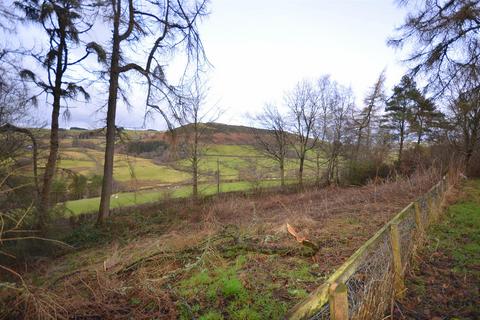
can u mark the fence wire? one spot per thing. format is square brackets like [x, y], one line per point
[370, 287]
[370, 281]
[407, 230]
[322, 314]
[423, 203]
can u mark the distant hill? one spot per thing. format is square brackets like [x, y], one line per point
[212, 133]
[216, 133]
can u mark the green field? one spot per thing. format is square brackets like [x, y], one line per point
[126, 199]
[143, 180]
[232, 160]
[89, 162]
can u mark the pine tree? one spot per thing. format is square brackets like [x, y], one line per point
[399, 110]
[63, 22]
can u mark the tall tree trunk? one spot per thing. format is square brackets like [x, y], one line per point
[107, 183]
[419, 139]
[317, 176]
[357, 147]
[282, 172]
[300, 170]
[330, 170]
[44, 205]
[195, 159]
[400, 151]
[470, 140]
[195, 177]
[402, 139]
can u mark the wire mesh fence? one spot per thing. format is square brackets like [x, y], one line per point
[322, 314]
[373, 275]
[407, 229]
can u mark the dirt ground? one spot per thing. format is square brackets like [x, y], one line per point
[226, 258]
[444, 282]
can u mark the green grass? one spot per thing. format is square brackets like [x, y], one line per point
[459, 234]
[146, 170]
[126, 199]
[236, 162]
[444, 281]
[89, 162]
[74, 164]
[232, 150]
[243, 289]
[225, 289]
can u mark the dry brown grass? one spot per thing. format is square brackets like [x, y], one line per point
[138, 279]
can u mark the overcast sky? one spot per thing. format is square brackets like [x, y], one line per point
[261, 48]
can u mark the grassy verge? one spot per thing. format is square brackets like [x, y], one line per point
[445, 282]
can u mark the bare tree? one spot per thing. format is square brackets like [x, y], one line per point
[340, 107]
[172, 25]
[303, 106]
[194, 120]
[13, 109]
[63, 22]
[273, 142]
[325, 92]
[8, 18]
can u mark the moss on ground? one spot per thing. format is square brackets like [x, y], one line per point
[238, 291]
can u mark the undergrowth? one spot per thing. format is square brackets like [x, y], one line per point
[233, 291]
[445, 283]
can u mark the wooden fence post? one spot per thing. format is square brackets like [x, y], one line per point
[338, 300]
[398, 283]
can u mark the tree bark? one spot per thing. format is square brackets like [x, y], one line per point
[317, 175]
[300, 171]
[107, 183]
[195, 177]
[195, 158]
[282, 172]
[400, 151]
[402, 136]
[44, 205]
[419, 139]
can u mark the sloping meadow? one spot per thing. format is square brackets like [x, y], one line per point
[229, 257]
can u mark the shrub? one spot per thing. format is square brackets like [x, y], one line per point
[360, 172]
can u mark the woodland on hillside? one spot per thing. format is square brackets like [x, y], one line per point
[318, 147]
